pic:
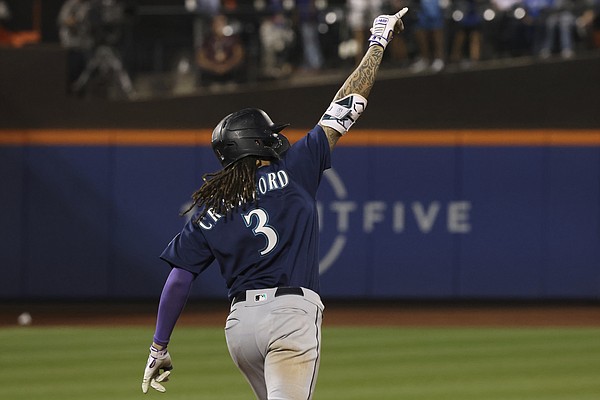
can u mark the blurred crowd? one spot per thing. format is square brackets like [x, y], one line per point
[237, 41]
[306, 36]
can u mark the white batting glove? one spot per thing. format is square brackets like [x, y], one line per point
[158, 369]
[384, 28]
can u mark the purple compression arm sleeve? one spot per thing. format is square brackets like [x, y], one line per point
[172, 300]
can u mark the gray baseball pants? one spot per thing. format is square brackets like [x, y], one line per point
[274, 338]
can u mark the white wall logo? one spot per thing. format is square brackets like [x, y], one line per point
[346, 215]
[343, 215]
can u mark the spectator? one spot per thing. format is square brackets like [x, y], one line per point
[221, 55]
[311, 48]
[277, 38]
[468, 29]
[429, 35]
[74, 29]
[533, 25]
[561, 16]
[103, 24]
[360, 17]
[204, 11]
[589, 23]
[505, 27]
[75, 34]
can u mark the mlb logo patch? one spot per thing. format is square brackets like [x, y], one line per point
[260, 297]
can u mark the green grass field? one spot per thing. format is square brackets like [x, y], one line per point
[357, 363]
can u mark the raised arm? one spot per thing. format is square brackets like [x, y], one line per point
[351, 100]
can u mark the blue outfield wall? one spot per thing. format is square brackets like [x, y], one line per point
[397, 222]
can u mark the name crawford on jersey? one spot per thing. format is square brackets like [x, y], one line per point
[271, 181]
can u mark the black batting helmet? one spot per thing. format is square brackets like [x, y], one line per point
[248, 132]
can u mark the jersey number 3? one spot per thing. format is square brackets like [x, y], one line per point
[262, 228]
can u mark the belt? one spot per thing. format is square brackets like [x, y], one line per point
[281, 291]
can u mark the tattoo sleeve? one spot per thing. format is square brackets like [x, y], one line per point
[360, 81]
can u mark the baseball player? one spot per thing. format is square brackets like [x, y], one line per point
[258, 219]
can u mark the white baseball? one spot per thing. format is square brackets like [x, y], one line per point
[24, 319]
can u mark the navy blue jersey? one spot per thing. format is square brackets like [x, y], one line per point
[276, 242]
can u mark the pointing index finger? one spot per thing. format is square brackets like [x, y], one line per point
[401, 13]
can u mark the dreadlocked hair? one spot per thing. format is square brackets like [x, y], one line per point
[227, 190]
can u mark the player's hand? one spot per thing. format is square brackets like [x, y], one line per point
[158, 369]
[384, 28]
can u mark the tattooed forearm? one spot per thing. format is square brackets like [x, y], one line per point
[360, 82]
[362, 79]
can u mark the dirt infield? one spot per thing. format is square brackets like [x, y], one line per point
[210, 313]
